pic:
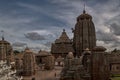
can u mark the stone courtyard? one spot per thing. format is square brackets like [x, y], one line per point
[47, 74]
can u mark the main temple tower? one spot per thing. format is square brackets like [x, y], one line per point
[84, 33]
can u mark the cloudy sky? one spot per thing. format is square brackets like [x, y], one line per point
[37, 23]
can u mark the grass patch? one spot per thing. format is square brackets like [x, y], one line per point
[115, 77]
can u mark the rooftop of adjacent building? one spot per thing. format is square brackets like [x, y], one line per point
[3, 41]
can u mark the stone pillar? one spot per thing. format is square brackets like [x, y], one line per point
[99, 68]
[86, 59]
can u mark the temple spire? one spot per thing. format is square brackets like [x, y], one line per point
[2, 34]
[84, 33]
[3, 38]
[63, 30]
[84, 8]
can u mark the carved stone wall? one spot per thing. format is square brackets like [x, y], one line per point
[99, 67]
[84, 34]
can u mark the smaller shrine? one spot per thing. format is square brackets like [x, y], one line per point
[62, 46]
[45, 60]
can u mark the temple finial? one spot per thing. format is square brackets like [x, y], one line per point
[2, 34]
[84, 9]
[63, 30]
[3, 38]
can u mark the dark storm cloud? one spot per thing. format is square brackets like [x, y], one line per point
[114, 25]
[115, 28]
[109, 39]
[105, 36]
[34, 36]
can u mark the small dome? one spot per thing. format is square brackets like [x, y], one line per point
[70, 55]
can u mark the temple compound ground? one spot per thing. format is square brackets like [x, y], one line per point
[47, 74]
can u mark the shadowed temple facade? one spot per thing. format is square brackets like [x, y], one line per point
[90, 66]
[90, 62]
[84, 37]
[83, 60]
[84, 33]
[62, 45]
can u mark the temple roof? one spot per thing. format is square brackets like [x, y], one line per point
[43, 53]
[63, 38]
[62, 48]
[4, 41]
[84, 15]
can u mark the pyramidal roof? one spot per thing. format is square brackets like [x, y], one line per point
[63, 38]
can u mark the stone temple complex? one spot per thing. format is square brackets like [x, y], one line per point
[87, 67]
[85, 60]
[84, 37]
[77, 59]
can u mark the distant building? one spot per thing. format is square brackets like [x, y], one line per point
[114, 61]
[62, 46]
[7, 62]
[28, 63]
[6, 50]
[45, 60]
